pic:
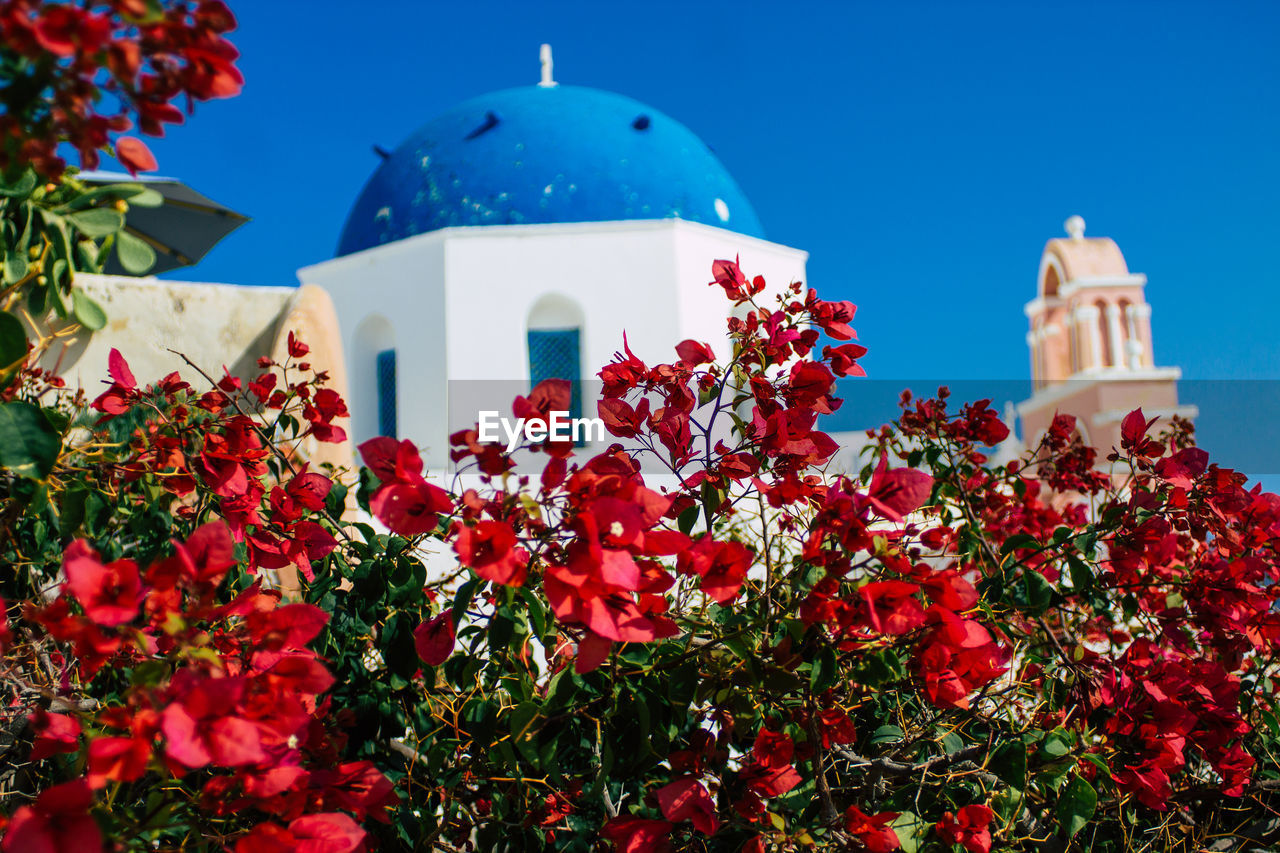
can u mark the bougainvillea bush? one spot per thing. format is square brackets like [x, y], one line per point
[934, 654]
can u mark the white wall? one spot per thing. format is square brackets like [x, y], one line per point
[458, 301]
[404, 284]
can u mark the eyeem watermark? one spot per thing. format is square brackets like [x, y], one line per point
[493, 428]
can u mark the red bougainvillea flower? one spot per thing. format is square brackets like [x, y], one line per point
[110, 594]
[956, 657]
[688, 799]
[57, 822]
[771, 773]
[809, 386]
[694, 353]
[203, 559]
[327, 832]
[434, 639]
[593, 650]
[118, 759]
[118, 398]
[64, 29]
[721, 565]
[949, 589]
[832, 317]
[898, 492]
[729, 276]
[54, 733]
[406, 503]
[968, 827]
[891, 606]
[491, 550]
[638, 835]
[201, 726]
[134, 155]
[297, 349]
[836, 727]
[844, 359]
[357, 787]
[1133, 434]
[873, 831]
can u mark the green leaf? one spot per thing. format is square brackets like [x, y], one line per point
[1009, 763]
[1076, 805]
[29, 445]
[1081, 575]
[97, 221]
[1057, 744]
[523, 730]
[1019, 540]
[71, 509]
[38, 300]
[688, 519]
[887, 734]
[15, 266]
[22, 187]
[911, 831]
[135, 254]
[88, 313]
[398, 649]
[147, 198]
[1034, 594]
[462, 600]
[823, 672]
[13, 342]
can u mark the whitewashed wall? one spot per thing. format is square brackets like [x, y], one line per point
[457, 303]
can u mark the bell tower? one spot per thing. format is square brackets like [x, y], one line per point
[1090, 342]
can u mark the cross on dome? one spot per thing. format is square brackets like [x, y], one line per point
[544, 55]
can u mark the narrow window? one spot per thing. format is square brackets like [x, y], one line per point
[387, 393]
[556, 354]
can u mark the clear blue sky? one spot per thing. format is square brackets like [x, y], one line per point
[921, 152]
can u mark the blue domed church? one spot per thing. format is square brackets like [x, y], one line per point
[517, 237]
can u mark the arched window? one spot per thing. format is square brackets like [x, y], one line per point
[557, 354]
[386, 371]
[373, 392]
[555, 345]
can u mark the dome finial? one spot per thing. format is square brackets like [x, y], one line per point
[545, 56]
[1075, 227]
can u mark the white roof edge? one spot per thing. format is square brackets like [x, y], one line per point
[490, 231]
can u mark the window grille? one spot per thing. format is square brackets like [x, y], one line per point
[556, 354]
[386, 367]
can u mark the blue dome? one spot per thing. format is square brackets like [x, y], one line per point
[545, 154]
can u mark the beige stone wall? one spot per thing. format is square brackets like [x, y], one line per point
[1100, 405]
[213, 324]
